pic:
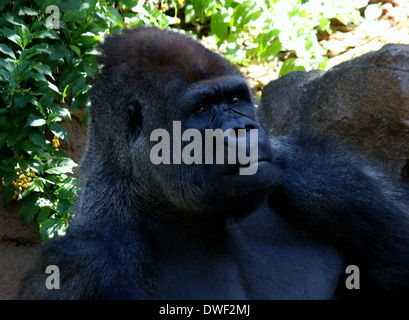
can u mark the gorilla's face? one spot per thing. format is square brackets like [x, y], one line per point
[192, 128]
[235, 148]
[208, 152]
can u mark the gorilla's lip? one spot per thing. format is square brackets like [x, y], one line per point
[232, 170]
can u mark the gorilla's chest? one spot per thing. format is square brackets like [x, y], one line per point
[266, 260]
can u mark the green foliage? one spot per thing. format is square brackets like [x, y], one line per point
[45, 65]
[257, 31]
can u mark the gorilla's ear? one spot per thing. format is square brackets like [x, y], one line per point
[135, 117]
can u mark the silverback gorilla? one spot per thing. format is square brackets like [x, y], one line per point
[202, 230]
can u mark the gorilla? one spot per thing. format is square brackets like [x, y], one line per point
[167, 229]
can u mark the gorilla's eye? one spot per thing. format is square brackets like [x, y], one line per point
[234, 99]
[202, 108]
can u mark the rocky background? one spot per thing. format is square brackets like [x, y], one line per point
[363, 102]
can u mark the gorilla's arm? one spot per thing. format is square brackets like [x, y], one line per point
[333, 194]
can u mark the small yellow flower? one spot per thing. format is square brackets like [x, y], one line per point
[56, 142]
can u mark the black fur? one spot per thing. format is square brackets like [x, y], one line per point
[145, 231]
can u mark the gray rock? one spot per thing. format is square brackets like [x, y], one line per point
[19, 249]
[363, 102]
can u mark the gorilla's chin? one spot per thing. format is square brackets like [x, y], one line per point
[233, 183]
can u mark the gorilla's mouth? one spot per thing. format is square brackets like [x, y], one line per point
[232, 183]
[234, 169]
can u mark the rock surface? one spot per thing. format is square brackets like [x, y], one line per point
[363, 102]
[19, 249]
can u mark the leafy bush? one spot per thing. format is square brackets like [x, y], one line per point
[47, 63]
[42, 70]
[257, 31]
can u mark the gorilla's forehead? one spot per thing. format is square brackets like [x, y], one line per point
[151, 55]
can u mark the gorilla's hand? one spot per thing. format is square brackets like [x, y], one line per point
[327, 191]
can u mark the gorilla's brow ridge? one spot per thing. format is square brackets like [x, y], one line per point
[217, 87]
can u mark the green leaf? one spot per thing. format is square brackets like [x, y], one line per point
[59, 130]
[8, 65]
[43, 69]
[5, 122]
[47, 101]
[76, 50]
[28, 11]
[56, 52]
[78, 101]
[116, 15]
[10, 17]
[35, 121]
[21, 99]
[75, 16]
[71, 77]
[29, 208]
[50, 227]
[27, 54]
[90, 66]
[29, 146]
[49, 34]
[272, 49]
[22, 133]
[3, 4]
[63, 113]
[7, 194]
[44, 214]
[6, 50]
[78, 85]
[189, 13]
[41, 202]
[33, 75]
[22, 70]
[4, 75]
[63, 207]
[25, 35]
[12, 35]
[53, 87]
[219, 27]
[69, 188]
[290, 65]
[39, 139]
[62, 165]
